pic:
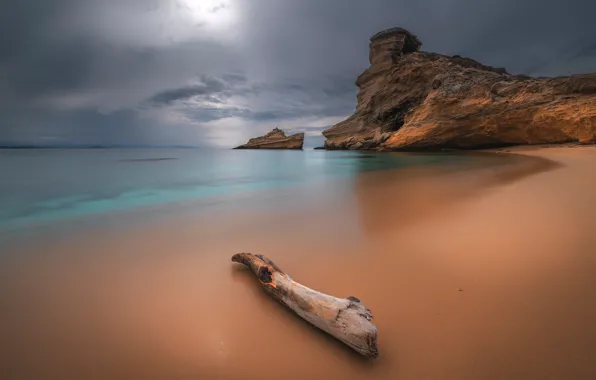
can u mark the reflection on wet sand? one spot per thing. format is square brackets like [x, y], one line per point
[470, 275]
[387, 200]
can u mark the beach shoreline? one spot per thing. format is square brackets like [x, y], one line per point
[485, 274]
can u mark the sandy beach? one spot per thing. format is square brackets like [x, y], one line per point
[484, 274]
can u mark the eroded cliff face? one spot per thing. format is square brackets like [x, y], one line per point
[276, 139]
[412, 100]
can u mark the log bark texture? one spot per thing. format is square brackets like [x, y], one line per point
[346, 319]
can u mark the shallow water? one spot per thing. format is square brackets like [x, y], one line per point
[45, 187]
[50, 184]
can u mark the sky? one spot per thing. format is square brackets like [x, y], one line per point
[213, 73]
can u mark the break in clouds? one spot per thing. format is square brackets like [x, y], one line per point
[215, 72]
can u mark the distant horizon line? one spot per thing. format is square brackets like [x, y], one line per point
[96, 146]
[113, 146]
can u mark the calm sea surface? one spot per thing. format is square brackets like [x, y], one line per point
[44, 187]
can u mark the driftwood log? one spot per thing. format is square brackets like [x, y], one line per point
[346, 319]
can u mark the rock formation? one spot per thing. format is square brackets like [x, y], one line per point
[413, 100]
[276, 139]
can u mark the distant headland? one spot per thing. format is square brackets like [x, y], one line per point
[276, 139]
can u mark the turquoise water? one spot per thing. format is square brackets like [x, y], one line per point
[45, 186]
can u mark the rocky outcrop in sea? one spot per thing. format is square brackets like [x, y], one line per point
[276, 139]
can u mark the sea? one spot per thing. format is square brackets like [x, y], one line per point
[42, 189]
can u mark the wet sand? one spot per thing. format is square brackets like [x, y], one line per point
[484, 274]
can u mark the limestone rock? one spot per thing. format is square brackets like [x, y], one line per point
[276, 139]
[412, 100]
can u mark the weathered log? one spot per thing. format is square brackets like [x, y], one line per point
[346, 319]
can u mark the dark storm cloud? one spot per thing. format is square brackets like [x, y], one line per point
[209, 86]
[71, 66]
[210, 99]
[207, 114]
[510, 33]
[168, 70]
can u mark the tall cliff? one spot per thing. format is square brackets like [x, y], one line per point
[413, 100]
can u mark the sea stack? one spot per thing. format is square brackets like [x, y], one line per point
[414, 100]
[276, 139]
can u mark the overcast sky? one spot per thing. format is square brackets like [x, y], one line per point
[216, 72]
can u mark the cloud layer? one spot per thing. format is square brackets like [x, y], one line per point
[215, 72]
